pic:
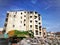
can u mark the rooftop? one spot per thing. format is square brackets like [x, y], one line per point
[23, 11]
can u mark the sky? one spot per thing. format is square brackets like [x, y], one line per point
[49, 10]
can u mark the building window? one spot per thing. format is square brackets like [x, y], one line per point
[14, 16]
[30, 26]
[4, 31]
[24, 15]
[35, 17]
[24, 24]
[36, 26]
[21, 17]
[39, 26]
[36, 21]
[28, 12]
[30, 21]
[21, 13]
[13, 25]
[30, 16]
[24, 20]
[24, 12]
[31, 12]
[36, 32]
[40, 29]
[38, 14]
[39, 17]
[40, 33]
[39, 23]
[5, 25]
[21, 21]
[35, 12]
[7, 14]
[44, 33]
[6, 19]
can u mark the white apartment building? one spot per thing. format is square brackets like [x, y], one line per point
[24, 21]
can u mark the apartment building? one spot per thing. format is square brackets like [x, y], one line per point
[24, 21]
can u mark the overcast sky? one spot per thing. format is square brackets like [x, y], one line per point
[49, 10]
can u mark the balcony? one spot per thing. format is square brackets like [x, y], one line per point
[5, 25]
[7, 14]
[6, 19]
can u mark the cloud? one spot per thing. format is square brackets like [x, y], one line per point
[51, 3]
[34, 1]
[48, 7]
[54, 28]
[13, 7]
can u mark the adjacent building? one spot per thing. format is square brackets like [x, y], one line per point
[1, 29]
[44, 32]
[50, 35]
[57, 35]
[24, 21]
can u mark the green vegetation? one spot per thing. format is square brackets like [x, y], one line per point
[21, 33]
[31, 34]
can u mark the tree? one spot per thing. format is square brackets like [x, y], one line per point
[21, 33]
[31, 34]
